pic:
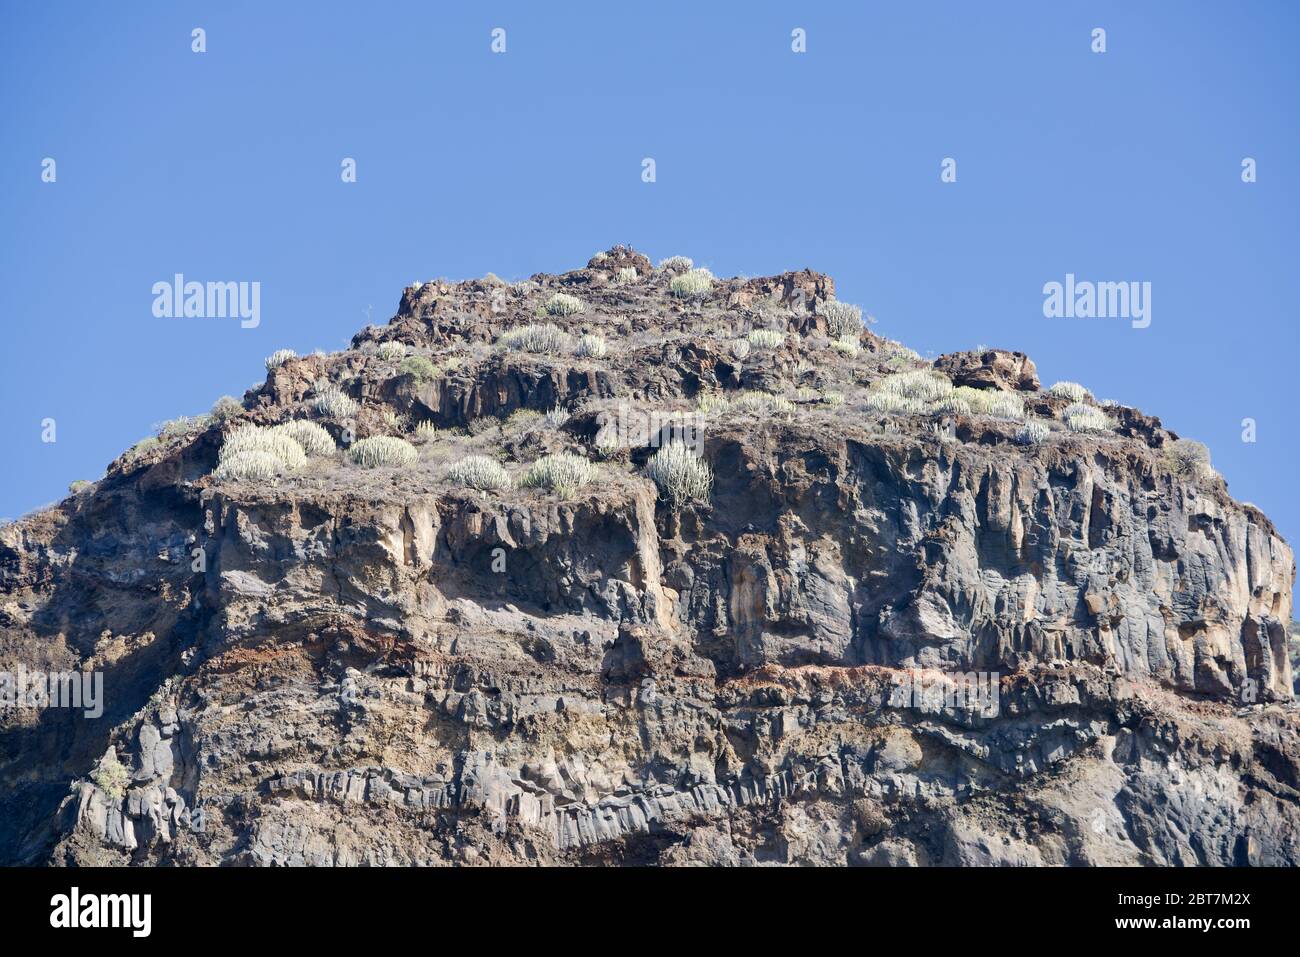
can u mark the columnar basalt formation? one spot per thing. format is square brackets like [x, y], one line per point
[348, 665]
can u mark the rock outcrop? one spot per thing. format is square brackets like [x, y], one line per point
[887, 637]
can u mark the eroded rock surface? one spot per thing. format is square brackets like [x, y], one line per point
[375, 666]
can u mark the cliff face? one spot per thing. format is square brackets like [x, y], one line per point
[381, 666]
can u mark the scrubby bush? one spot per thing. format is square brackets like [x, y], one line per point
[254, 438]
[279, 357]
[625, 275]
[922, 385]
[1004, 405]
[1086, 418]
[592, 346]
[226, 408]
[183, 425]
[740, 348]
[712, 402]
[420, 368]
[766, 339]
[677, 263]
[696, 282]
[895, 404]
[111, 776]
[1032, 433]
[563, 473]
[849, 345]
[562, 304]
[383, 450]
[1069, 390]
[391, 351]
[842, 319]
[248, 465]
[311, 436]
[331, 401]
[761, 402]
[79, 486]
[1187, 458]
[545, 338]
[682, 476]
[480, 472]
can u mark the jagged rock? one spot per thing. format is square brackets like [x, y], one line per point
[381, 667]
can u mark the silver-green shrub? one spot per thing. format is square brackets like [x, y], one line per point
[563, 473]
[681, 475]
[765, 339]
[695, 282]
[1069, 390]
[279, 357]
[333, 402]
[592, 346]
[545, 338]
[842, 319]
[383, 450]
[480, 472]
[562, 304]
[313, 437]
[1086, 418]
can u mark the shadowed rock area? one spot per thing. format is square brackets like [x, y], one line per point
[347, 665]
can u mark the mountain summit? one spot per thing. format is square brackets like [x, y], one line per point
[635, 564]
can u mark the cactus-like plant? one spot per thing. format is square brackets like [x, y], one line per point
[592, 346]
[681, 475]
[695, 282]
[391, 351]
[677, 263]
[562, 304]
[1033, 433]
[1069, 390]
[563, 473]
[842, 319]
[383, 450]
[279, 357]
[1086, 418]
[254, 438]
[479, 472]
[546, 338]
[331, 401]
[765, 339]
[312, 436]
[625, 275]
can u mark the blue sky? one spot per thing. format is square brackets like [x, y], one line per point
[225, 165]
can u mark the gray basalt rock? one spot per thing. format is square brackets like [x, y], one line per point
[873, 645]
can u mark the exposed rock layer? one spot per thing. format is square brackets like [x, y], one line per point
[375, 667]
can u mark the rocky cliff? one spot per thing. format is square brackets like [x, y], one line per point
[921, 612]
